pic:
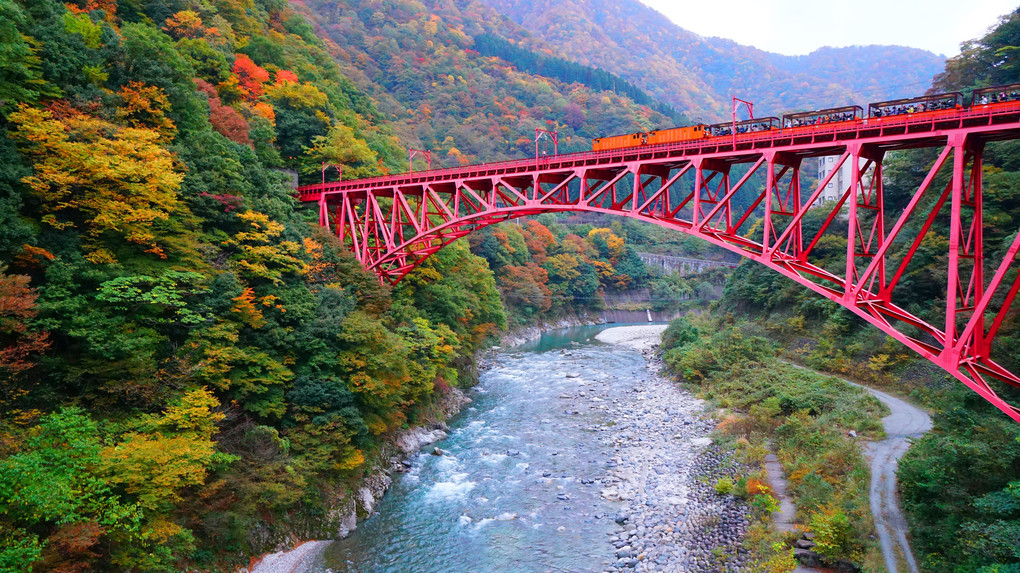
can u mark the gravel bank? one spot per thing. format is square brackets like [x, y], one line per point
[292, 561]
[663, 471]
[642, 337]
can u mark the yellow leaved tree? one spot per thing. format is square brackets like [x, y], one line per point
[110, 181]
[260, 254]
[168, 452]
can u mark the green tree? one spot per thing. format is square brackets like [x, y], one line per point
[340, 146]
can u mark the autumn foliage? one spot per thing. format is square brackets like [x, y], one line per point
[224, 119]
[20, 344]
[99, 177]
[184, 359]
[251, 77]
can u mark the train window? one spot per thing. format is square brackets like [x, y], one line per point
[830, 185]
[830, 160]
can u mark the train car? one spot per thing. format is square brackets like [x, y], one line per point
[822, 116]
[677, 134]
[618, 141]
[756, 125]
[935, 102]
[996, 94]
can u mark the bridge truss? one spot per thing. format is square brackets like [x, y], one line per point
[745, 195]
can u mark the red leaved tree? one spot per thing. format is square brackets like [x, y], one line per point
[250, 76]
[19, 344]
[225, 119]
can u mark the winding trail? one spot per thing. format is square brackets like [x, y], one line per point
[905, 422]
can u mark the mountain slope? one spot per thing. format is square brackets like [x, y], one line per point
[420, 63]
[698, 75]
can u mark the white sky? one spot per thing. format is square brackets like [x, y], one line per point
[796, 27]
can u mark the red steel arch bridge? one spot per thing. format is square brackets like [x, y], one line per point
[708, 188]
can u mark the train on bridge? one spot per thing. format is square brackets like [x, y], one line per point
[932, 105]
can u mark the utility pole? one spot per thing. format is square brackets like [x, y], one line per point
[541, 134]
[411, 153]
[750, 112]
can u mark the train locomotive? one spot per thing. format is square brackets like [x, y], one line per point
[879, 112]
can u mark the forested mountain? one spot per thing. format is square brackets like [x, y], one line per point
[697, 75]
[419, 62]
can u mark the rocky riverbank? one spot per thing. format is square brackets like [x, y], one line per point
[663, 472]
[658, 472]
[517, 336]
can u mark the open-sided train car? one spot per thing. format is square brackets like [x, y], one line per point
[928, 103]
[756, 125]
[996, 95]
[822, 116]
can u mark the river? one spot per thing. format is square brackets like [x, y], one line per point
[573, 456]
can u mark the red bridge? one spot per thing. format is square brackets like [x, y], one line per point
[393, 223]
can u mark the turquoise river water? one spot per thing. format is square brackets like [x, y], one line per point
[517, 489]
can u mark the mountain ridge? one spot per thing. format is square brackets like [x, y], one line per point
[698, 74]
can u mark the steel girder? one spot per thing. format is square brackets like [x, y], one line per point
[749, 201]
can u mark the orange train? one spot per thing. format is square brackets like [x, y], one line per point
[879, 112]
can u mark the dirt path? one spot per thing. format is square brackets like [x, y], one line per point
[905, 422]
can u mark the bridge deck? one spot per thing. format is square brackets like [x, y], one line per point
[994, 121]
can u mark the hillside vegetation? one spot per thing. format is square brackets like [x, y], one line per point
[441, 92]
[191, 371]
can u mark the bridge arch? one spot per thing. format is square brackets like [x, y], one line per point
[746, 198]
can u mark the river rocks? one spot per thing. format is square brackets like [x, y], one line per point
[411, 440]
[653, 461]
[662, 472]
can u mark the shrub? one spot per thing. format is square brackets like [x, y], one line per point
[724, 486]
[765, 503]
[834, 535]
[754, 487]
